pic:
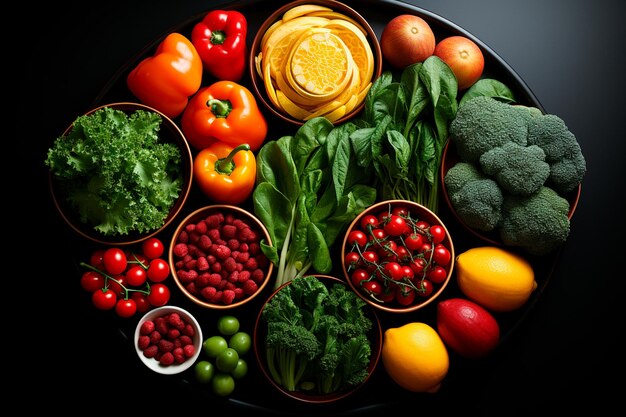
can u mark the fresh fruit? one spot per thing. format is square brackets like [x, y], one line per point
[214, 345]
[226, 360]
[464, 58]
[228, 325]
[415, 357]
[494, 277]
[204, 371]
[241, 342]
[407, 39]
[467, 328]
[167, 338]
[223, 384]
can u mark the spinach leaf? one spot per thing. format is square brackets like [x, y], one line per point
[490, 88]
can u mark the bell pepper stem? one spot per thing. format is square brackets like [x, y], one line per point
[225, 166]
[218, 37]
[220, 108]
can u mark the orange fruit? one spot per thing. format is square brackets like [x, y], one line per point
[415, 357]
[494, 277]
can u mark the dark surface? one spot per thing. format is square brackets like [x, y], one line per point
[565, 353]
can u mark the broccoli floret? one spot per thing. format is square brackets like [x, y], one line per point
[476, 198]
[519, 170]
[563, 153]
[537, 223]
[484, 123]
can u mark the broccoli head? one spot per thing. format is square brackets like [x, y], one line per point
[519, 170]
[483, 123]
[476, 198]
[537, 223]
[563, 153]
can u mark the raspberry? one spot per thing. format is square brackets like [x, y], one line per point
[189, 350]
[242, 257]
[216, 267]
[214, 220]
[229, 218]
[229, 231]
[143, 342]
[233, 277]
[165, 345]
[155, 336]
[179, 355]
[192, 288]
[258, 275]
[201, 227]
[254, 249]
[173, 334]
[208, 292]
[151, 351]
[191, 265]
[230, 264]
[238, 293]
[183, 237]
[233, 244]
[180, 250]
[202, 264]
[194, 237]
[189, 330]
[215, 280]
[184, 276]
[217, 297]
[167, 359]
[185, 340]
[214, 234]
[250, 287]
[161, 325]
[251, 264]
[222, 252]
[203, 279]
[243, 276]
[228, 296]
[190, 227]
[205, 243]
[175, 320]
[147, 327]
[244, 247]
[247, 235]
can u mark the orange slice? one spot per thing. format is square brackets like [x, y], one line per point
[292, 108]
[336, 15]
[303, 9]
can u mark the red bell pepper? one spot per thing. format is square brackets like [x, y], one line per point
[166, 80]
[220, 39]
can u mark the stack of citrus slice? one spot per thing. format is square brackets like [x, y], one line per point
[315, 62]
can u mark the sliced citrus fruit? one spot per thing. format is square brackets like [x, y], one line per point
[336, 15]
[292, 108]
[302, 10]
[285, 28]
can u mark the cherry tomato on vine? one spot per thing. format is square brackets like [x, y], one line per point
[424, 288]
[357, 237]
[414, 241]
[388, 294]
[396, 225]
[158, 270]
[369, 222]
[407, 272]
[377, 235]
[114, 260]
[372, 287]
[402, 254]
[370, 256]
[422, 224]
[405, 295]
[136, 276]
[437, 274]
[152, 248]
[358, 276]
[387, 249]
[441, 255]
[159, 295]
[126, 307]
[104, 299]
[141, 301]
[401, 211]
[92, 281]
[116, 285]
[418, 265]
[352, 260]
[96, 260]
[438, 233]
[393, 270]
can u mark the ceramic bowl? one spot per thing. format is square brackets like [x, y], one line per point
[449, 159]
[184, 330]
[266, 90]
[168, 133]
[311, 394]
[398, 256]
[215, 256]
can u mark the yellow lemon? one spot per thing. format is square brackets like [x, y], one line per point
[494, 277]
[415, 357]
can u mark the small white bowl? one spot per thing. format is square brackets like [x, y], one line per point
[174, 368]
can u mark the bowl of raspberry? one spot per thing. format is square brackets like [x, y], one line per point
[168, 339]
[216, 259]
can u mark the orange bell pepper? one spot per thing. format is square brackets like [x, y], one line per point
[166, 80]
[224, 111]
[225, 174]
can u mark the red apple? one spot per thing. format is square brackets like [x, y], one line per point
[407, 39]
[464, 57]
[467, 328]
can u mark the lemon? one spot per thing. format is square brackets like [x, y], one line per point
[494, 277]
[415, 357]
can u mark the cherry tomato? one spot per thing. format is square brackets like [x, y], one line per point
[136, 276]
[405, 296]
[418, 265]
[141, 301]
[125, 307]
[424, 288]
[425, 249]
[369, 222]
[103, 299]
[152, 248]
[96, 260]
[437, 274]
[92, 281]
[114, 260]
[158, 270]
[413, 241]
[377, 235]
[159, 295]
[352, 260]
[441, 255]
[372, 287]
[401, 211]
[438, 233]
[402, 254]
[357, 237]
[358, 276]
[396, 225]
[407, 272]
[393, 270]
[137, 258]
[422, 224]
[370, 256]
[116, 285]
[383, 217]
[388, 248]
[388, 294]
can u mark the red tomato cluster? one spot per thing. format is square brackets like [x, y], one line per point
[395, 258]
[127, 281]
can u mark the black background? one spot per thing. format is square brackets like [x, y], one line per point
[565, 353]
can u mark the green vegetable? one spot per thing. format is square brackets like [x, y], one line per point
[309, 188]
[316, 336]
[116, 171]
[405, 127]
[520, 170]
[476, 198]
[537, 223]
[490, 88]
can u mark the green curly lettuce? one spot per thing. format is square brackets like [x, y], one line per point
[117, 172]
